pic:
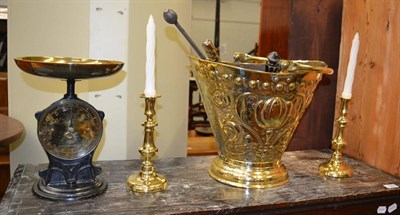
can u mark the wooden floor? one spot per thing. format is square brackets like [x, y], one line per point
[201, 145]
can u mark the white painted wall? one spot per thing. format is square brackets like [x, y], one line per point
[108, 39]
[49, 28]
[72, 28]
[172, 75]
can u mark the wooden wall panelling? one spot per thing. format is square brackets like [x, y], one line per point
[274, 27]
[311, 30]
[374, 112]
[315, 34]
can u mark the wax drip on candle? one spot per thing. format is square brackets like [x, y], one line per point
[348, 84]
[150, 90]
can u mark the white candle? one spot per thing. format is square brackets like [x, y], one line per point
[346, 94]
[150, 90]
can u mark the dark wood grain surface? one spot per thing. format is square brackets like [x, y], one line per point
[10, 130]
[191, 190]
[307, 30]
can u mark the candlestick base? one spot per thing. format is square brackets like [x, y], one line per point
[335, 167]
[147, 183]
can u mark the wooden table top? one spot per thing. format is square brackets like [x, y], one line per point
[10, 130]
[191, 190]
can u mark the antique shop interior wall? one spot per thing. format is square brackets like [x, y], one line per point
[54, 28]
[239, 25]
[172, 75]
[65, 28]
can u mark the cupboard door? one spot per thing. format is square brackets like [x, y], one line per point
[307, 30]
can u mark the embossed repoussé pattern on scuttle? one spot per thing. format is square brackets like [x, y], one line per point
[257, 117]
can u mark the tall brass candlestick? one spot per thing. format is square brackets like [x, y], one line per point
[147, 180]
[335, 167]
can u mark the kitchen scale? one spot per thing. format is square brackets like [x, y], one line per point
[70, 129]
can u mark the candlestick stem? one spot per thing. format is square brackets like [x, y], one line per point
[335, 167]
[147, 180]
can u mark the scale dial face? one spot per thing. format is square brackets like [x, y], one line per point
[70, 129]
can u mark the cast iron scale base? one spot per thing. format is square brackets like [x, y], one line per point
[69, 130]
[69, 180]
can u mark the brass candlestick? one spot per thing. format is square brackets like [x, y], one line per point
[335, 167]
[147, 180]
